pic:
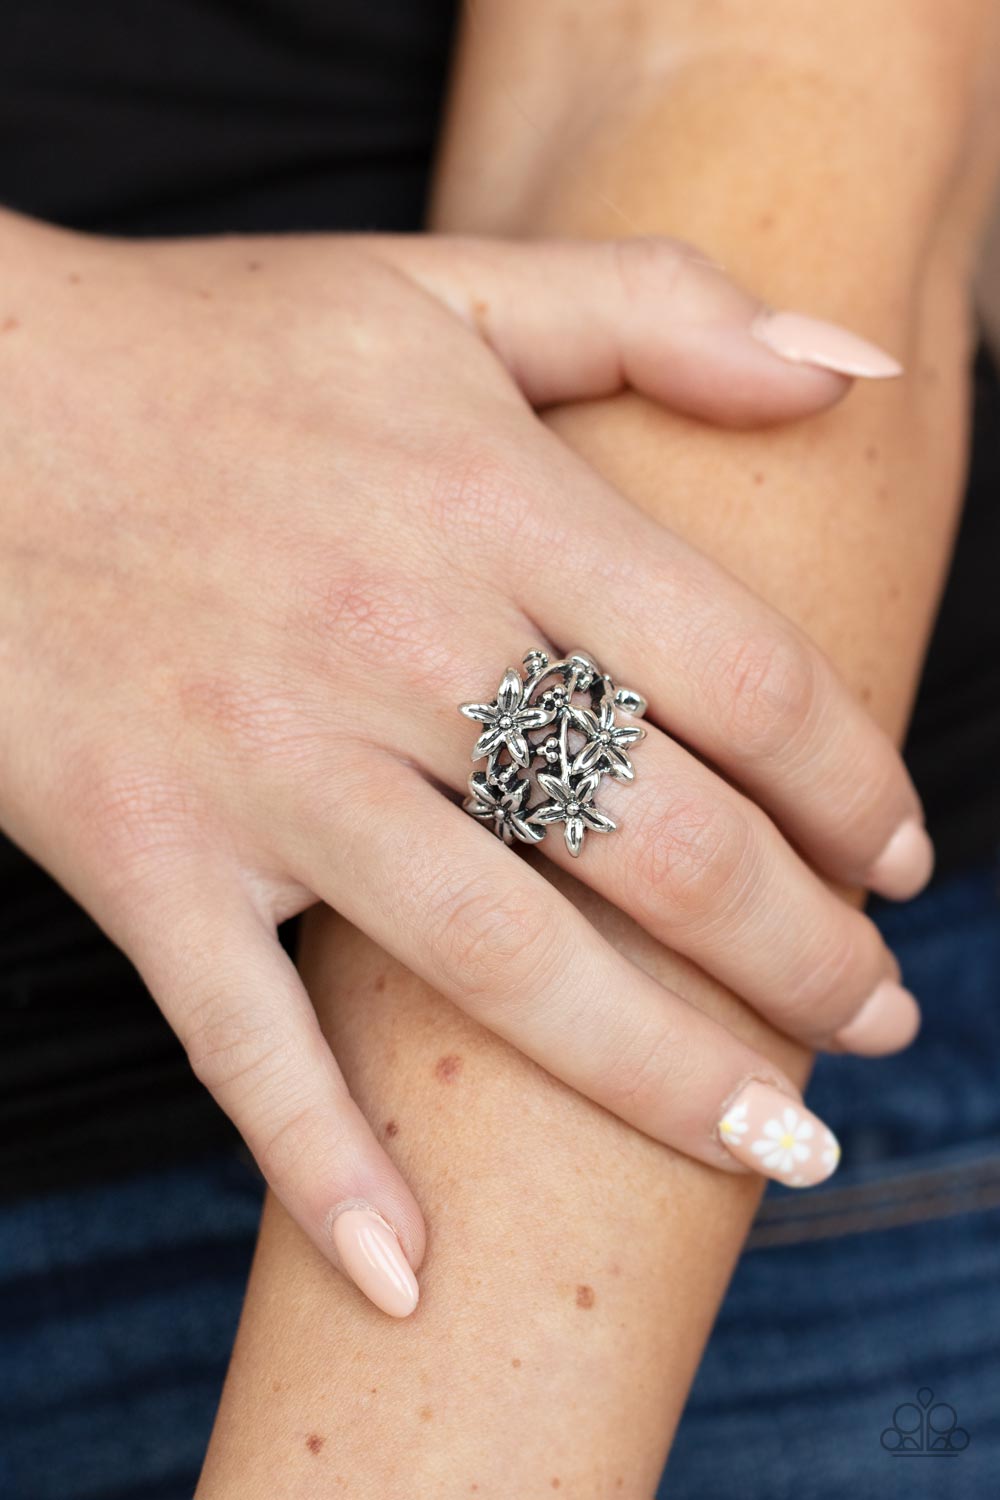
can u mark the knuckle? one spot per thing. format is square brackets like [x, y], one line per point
[231, 1048]
[474, 483]
[769, 688]
[639, 1073]
[691, 855]
[131, 820]
[279, 1147]
[364, 614]
[648, 265]
[838, 974]
[496, 942]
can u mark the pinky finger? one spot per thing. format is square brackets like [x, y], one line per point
[252, 1036]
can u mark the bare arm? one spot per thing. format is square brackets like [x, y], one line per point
[574, 1267]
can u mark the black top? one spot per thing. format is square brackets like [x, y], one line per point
[201, 116]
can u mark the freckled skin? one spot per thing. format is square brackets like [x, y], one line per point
[447, 1069]
[585, 1296]
[314, 1442]
[8, 325]
[426, 1413]
[516, 1363]
[555, 1483]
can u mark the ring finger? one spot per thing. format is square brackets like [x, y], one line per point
[705, 871]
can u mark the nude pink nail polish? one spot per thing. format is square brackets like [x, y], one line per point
[811, 341]
[905, 864]
[887, 1022]
[774, 1134]
[373, 1258]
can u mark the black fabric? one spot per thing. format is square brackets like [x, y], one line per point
[204, 116]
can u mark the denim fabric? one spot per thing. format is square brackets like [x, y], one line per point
[118, 1305]
[863, 1296]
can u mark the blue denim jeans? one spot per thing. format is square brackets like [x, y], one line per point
[118, 1305]
[860, 1298]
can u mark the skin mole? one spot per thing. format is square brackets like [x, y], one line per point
[555, 1483]
[426, 1412]
[391, 1128]
[758, 478]
[446, 1069]
[516, 1364]
[314, 1442]
[379, 983]
[8, 325]
[585, 1296]
[253, 265]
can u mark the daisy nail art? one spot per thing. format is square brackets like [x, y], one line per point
[778, 1136]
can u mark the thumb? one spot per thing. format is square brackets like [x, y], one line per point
[576, 319]
[236, 1001]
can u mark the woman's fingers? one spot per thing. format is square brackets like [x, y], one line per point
[493, 935]
[704, 871]
[236, 1002]
[577, 319]
[724, 673]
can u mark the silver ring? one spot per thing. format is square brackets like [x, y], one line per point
[549, 737]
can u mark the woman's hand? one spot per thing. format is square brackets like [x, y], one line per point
[272, 508]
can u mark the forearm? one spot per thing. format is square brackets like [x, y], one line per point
[510, 1376]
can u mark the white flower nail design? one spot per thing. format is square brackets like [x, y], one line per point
[830, 1155]
[783, 1143]
[734, 1124]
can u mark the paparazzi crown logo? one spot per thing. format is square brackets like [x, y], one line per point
[925, 1429]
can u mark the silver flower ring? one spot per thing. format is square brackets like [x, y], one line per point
[548, 738]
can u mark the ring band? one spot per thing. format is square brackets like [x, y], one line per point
[546, 753]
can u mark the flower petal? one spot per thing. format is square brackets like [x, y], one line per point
[597, 820]
[554, 785]
[509, 692]
[607, 712]
[587, 786]
[549, 812]
[535, 717]
[504, 831]
[527, 832]
[518, 746]
[574, 835]
[583, 720]
[619, 765]
[487, 742]
[478, 810]
[588, 757]
[627, 734]
[516, 793]
[479, 786]
[484, 712]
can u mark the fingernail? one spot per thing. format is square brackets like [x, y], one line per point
[905, 864]
[887, 1022]
[810, 341]
[776, 1135]
[373, 1258]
